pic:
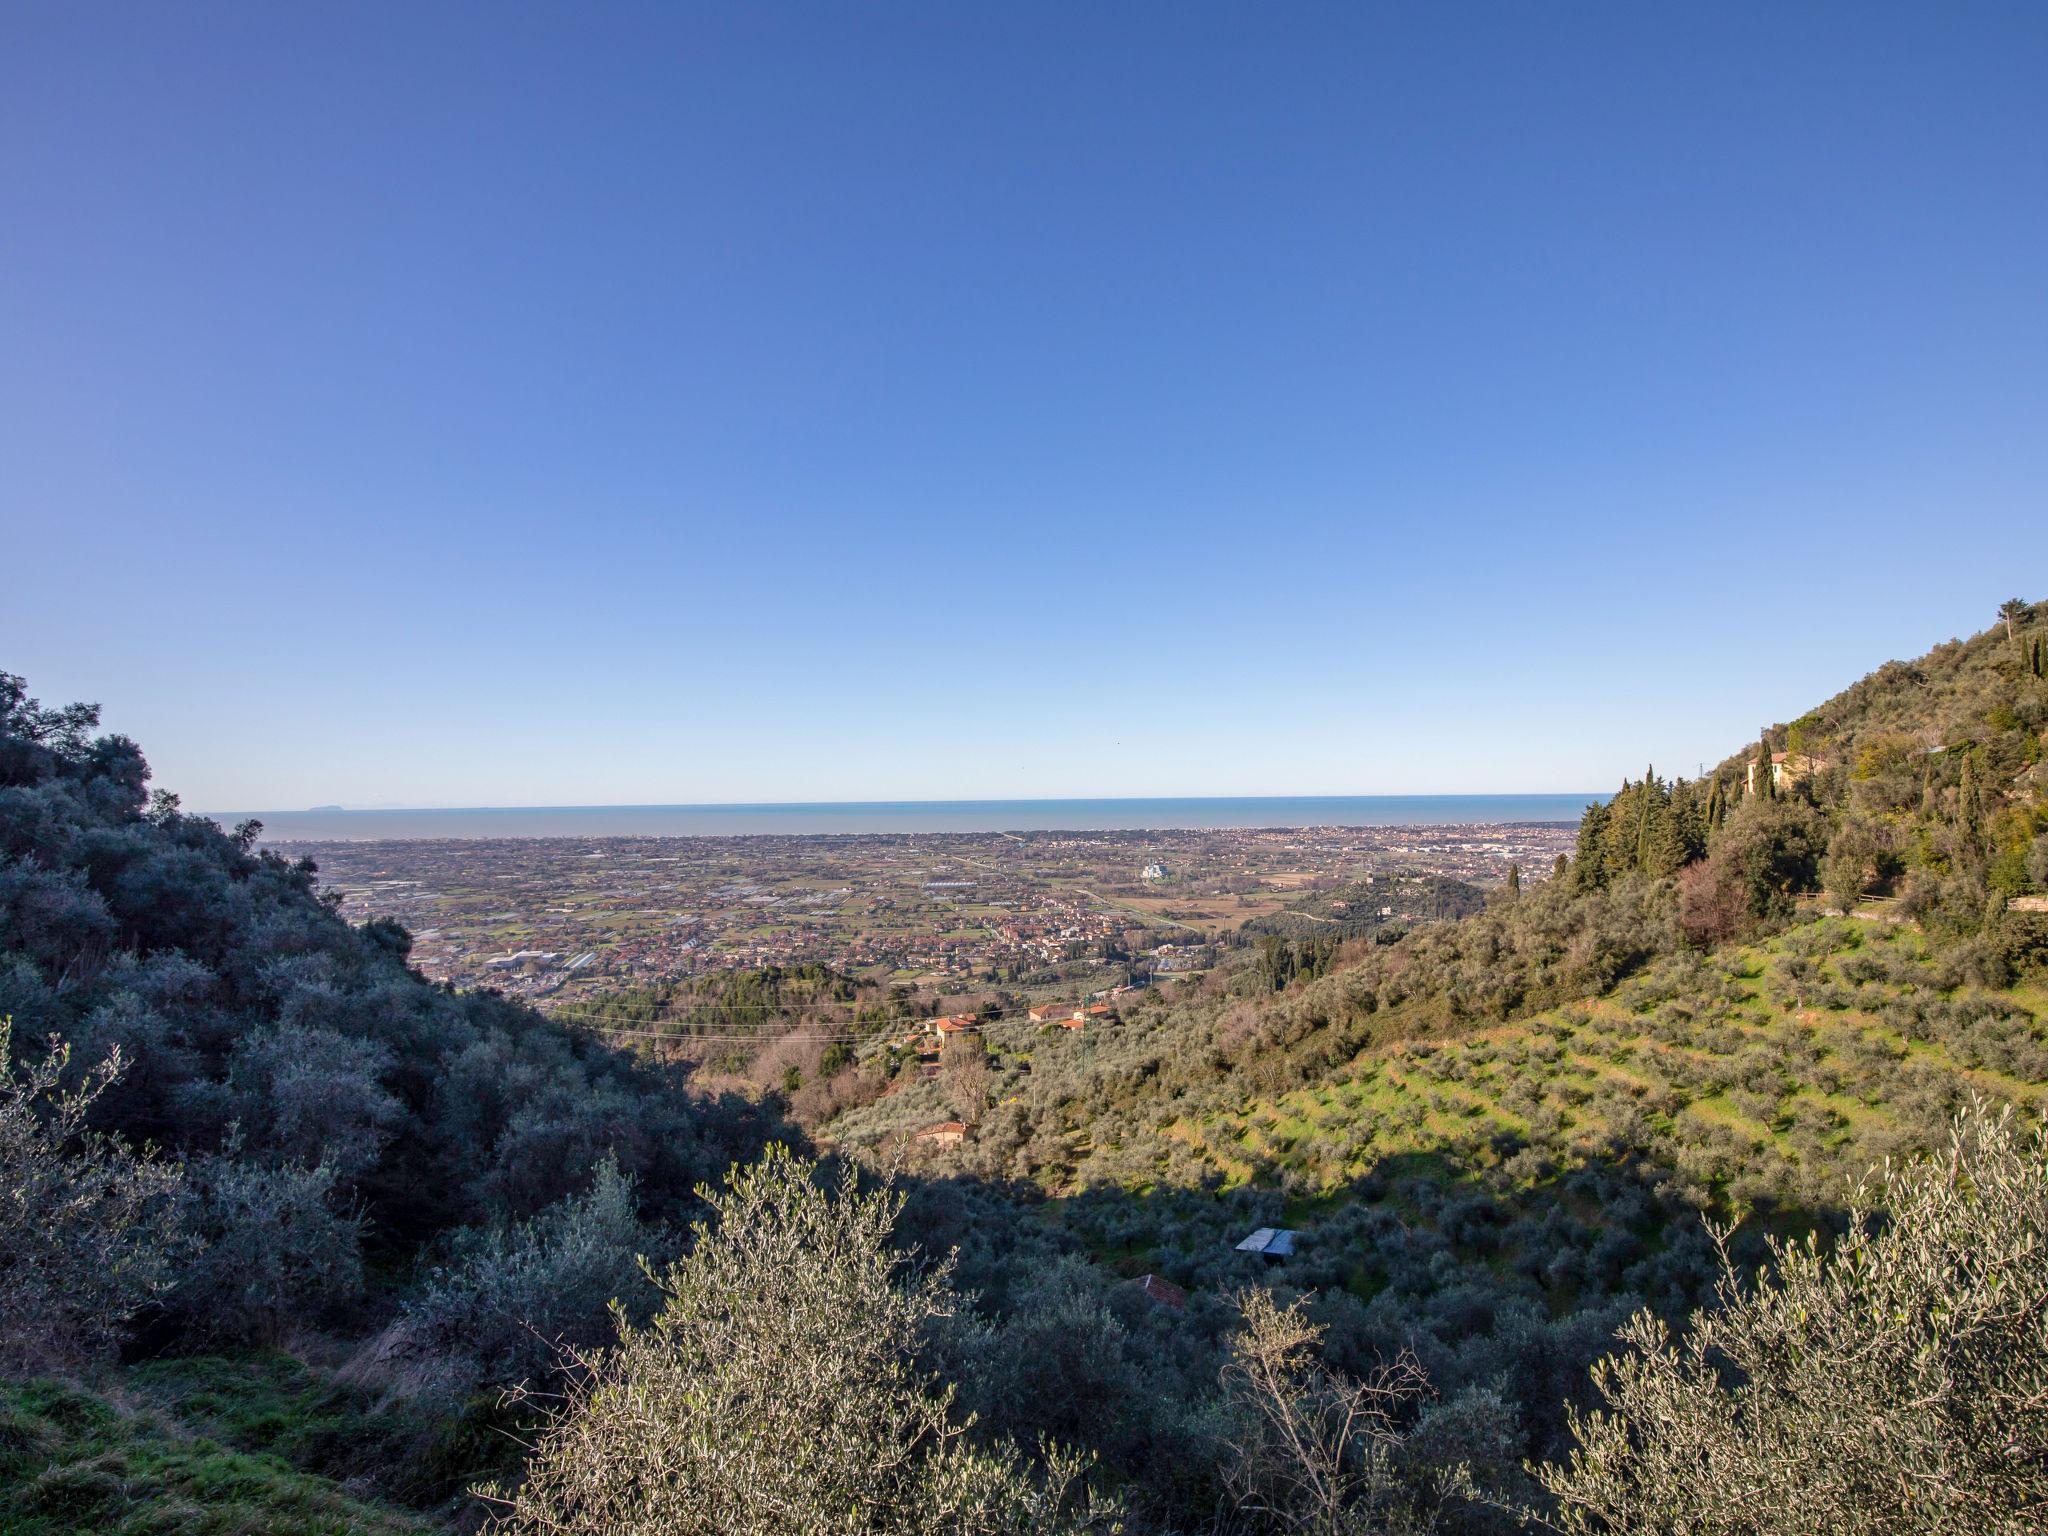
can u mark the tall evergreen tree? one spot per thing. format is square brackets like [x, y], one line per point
[1644, 813]
[1589, 860]
[2011, 609]
[1970, 806]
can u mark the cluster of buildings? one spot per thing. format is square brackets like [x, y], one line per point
[555, 917]
[927, 1040]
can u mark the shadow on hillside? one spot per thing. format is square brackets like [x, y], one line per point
[1485, 1281]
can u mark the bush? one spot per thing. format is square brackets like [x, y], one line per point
[510, 1300]
[1899, 1383]
[273, 1248]
[89, 1229]
[1316, 1452]
[1712, 904]
[776, 1392]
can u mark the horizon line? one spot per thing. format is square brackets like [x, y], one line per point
[338, 809]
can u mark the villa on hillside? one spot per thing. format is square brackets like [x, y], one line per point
[947, 1133]
[1787, 769]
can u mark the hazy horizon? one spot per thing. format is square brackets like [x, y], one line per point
[715, 805]
[799, 818]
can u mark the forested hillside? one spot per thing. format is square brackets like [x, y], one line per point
[290, 1224]
[282, 1136]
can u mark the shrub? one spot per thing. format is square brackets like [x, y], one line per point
[510, 1300]
[1316, 1452]
[272, 1247]
[89, 1229]
[312, 1096]
[1712, 904]
[776, 1392]
[1899, 1383]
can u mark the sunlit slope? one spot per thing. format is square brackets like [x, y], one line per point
[1769, 1072]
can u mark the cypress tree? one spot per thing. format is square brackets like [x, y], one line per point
[1970, 802]
[1589, 865]
[1642, 849]
[1698, 824]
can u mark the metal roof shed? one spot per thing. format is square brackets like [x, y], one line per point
[1273, 1242]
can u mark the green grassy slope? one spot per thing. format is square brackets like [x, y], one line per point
[74, 1462]
[1782, 1068]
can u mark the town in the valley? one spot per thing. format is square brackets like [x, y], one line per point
[558, 919]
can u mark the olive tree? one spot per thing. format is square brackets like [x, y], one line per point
[1897, 1383]
[510, 1301]
[777, 1391]
[89, 1229]
[274, 1250]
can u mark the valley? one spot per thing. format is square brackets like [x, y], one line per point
[560, 921]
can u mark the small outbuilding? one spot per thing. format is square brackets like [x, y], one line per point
[947, 1133]
[1271, 1243]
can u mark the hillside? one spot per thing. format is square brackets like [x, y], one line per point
[279, 1130]
[292, 1225]
[1498, 1135]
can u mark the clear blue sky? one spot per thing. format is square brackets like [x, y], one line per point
[496, 404]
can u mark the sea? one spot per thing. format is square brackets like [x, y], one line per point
[851, 816]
